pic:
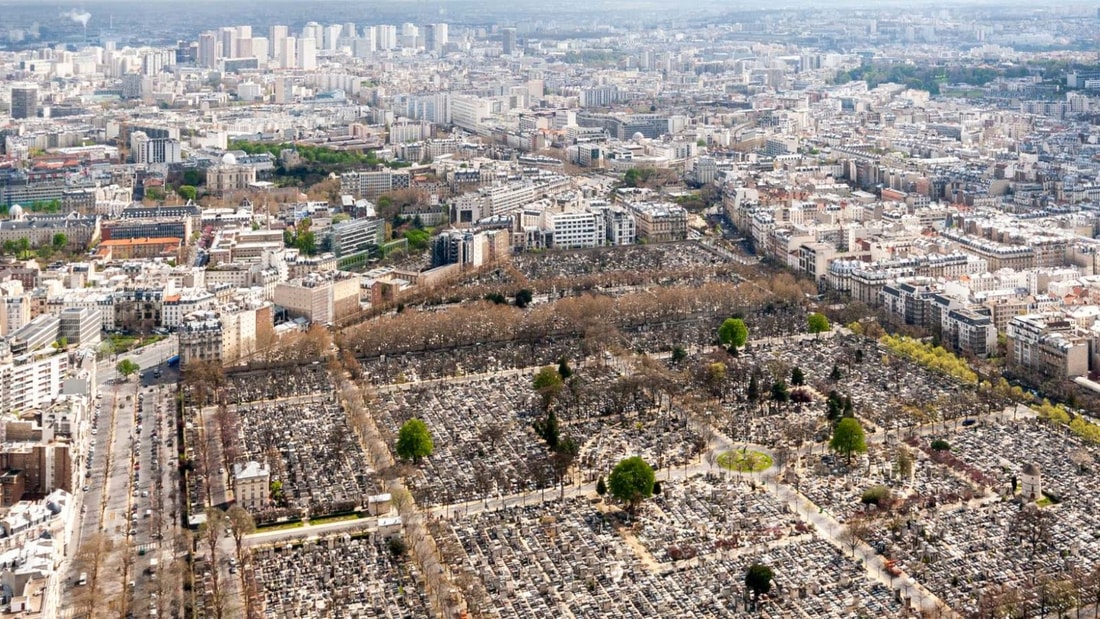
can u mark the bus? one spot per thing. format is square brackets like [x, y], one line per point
[173, 361]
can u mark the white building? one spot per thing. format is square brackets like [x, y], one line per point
[252, 485]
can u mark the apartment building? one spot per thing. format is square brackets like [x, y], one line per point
[1047, 346]
[371, 184]
[320, 298]
[970, 331]
[659, 222]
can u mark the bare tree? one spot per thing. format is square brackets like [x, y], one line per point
[211, 531]
[1032, 526]
[240, 524]
[854, 532]
[1054, 596]
[493, 432]
[1081, 458]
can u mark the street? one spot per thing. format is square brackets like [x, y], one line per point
[129, 510]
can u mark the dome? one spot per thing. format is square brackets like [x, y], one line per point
[16, 212]
[638, 137]
[229, 159]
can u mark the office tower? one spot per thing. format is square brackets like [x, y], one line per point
[307, 54]
[435, 37]
[260, 48]
[229, 42]
[154, 150]
[331, 36]
[385, 37]
[288, 55]
[313, 30]
[244, 32]
[280, 90]
[509, 37]
[363, 47]
[24, 101]
[349, 31]
[208, 50]
[409, 35]
[154, 62]
[131, 86]
[275, 37]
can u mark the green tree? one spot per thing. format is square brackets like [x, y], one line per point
[835, 375]
[547, 383]
[715, 376]
[758, 580]
[563, 368]
[780, 392]
[679, 354]
[126, 368]
[753, 391]
[797, 377]
[10, 247]
[848, 438]
[306, 243]
[418, 239]
[524, 298]
[549, 430]
[631, 481]
[817, 323]
[193, 177]
[23, 247]
[733, 333]
[414, 441]
[601, 486]
[277, 493]
[59, 241]
[187, 192]
[397, 546]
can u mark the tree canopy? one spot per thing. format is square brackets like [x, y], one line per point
[126, 368]
[631, 481]
[798, 377]
[524, 298]
[548, 384]
[780, 392]
[414, 441]
[758, 580]
[733, 333]
[848, 438]
[817, 323]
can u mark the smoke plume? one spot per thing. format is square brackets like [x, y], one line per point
[80, 17]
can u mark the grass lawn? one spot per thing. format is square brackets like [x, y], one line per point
[124, 343]
[329, 519]
[745, 461]
[279, 526]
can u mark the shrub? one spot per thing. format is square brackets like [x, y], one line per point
[875, 495]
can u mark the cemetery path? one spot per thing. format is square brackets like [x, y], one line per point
[643, 555]
[832, 531]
